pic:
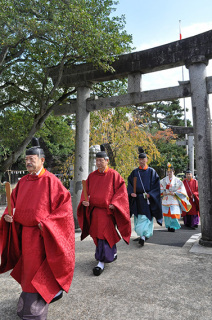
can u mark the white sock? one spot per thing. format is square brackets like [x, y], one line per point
[101, 265]
[58, 293]
[115, 255]
[143, 237]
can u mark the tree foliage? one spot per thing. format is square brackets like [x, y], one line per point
[57, 137]
[59, 141]
[120, 130]
[162, 114]
[165, 141]
[39, 35]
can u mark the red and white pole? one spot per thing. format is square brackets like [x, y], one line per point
[180, 29]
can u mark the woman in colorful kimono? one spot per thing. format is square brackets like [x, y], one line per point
[174, 199]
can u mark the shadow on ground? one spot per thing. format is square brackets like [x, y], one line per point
[176, 239]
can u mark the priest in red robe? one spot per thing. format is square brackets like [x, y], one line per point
[191, 218]
[38, 240]
[103, 206]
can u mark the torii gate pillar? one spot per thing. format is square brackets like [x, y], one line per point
[203, 143]
[191, 152]
[81, 164]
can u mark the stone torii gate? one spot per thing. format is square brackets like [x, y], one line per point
[194, 53]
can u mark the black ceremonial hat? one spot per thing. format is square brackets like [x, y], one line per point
[188, 171]
[142, 154]
[35, 149]
[102, 153]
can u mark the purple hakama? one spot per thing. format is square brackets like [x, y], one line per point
[191, 220]
[104, 252]
[32, 306]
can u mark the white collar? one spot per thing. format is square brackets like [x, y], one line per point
[37, 173]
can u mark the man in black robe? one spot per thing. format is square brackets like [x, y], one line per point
[144, 198]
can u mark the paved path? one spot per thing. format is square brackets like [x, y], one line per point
[169, 278]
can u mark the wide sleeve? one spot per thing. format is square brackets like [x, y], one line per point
[10, 244]
[83, 214]
[121, 204]
[196, 193]
[155, 184]
[132, 201]
[195, 190]
[155, 196]
[58, 233]
[182, 197]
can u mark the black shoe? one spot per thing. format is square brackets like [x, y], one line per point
[57, 297]
[196, 226]
[171, 229]
[137, 239]
[141, 242]
[97, 271]
[115, 257]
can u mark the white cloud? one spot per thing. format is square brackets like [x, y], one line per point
[195, 29]
[187, 31]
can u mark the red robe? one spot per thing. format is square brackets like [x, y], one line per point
[193, 194]
[42, 261]
[98, 220]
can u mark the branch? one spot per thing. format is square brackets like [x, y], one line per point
[13, 84]
[60, 73]
[3, 54]
[7, 104]
[15, 55]
[26, 107]
[45, 81]
[5, 59]
[57, 103]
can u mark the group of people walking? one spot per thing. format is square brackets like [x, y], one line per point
[106, 205]
[37, 236]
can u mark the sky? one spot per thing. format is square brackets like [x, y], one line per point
[156, 22]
